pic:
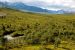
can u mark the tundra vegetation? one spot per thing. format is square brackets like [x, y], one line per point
[34, 31]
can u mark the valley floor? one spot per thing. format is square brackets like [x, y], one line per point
[63, 46]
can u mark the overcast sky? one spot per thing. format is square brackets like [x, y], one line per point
[48, 4]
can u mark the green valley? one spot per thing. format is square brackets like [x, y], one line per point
[34, 31]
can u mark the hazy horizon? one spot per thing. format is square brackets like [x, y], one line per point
[47, 4]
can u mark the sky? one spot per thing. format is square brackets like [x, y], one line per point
[48, 4]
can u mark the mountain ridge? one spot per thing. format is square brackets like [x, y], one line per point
[24, 7]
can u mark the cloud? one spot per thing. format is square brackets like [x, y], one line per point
[48, 4]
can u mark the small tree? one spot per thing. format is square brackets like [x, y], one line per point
[57, 42]
[3, 43]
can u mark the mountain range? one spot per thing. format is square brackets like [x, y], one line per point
[24, 7]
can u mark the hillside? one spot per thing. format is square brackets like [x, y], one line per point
[37, 31]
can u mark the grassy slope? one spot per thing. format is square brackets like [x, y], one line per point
[18, 20]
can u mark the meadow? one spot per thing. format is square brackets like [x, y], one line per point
[34, 31]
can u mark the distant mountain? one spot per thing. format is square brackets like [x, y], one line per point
[24, 7]
[2, 4]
